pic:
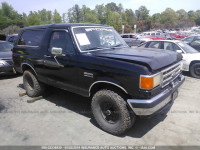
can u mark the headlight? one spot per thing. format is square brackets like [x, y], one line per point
[149, 82]
[2, 62]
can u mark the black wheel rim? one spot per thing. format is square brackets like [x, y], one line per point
[197, 70]
[109, 112]
[29, 82]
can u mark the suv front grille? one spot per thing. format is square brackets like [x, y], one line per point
[170, 74]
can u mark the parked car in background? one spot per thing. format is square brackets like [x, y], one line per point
[193, 41]
[191, 57]
[2, 37]
[133, 40]
[153, 37]
[11, 38]
[6, 62]
[177, 35]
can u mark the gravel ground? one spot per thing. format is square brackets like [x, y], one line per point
[63, 118]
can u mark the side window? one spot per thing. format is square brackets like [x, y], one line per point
[125, 36]
[195, 42]
[189, 39]
[153, 34]
[143, 45]
[11, 39]
[61, 39]
[154, 45]
[176, 47]
[31, 38]
[168, 46]
[157, 33]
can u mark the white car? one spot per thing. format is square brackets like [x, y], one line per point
[191, 57]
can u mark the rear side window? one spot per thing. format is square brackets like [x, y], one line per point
[154, 45]
[31, 38]
[143, 45]
[125, 36]
[168, 46]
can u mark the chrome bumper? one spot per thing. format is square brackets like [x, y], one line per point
[145, 107]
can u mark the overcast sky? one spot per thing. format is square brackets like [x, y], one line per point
[155, 6]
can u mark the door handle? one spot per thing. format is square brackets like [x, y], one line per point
[47, 56]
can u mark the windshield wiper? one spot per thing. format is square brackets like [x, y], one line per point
[118, 45]
[93, 48]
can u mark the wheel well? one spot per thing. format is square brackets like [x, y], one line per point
[28, 67]
[108, 86]
[193, 62]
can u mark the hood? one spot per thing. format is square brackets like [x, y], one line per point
[6, 55]
[155, 59]
[193, 56]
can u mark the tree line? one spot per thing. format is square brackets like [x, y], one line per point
[111, 14]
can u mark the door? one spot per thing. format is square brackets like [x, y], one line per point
[60, 61]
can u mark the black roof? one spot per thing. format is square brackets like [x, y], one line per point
[63, 25]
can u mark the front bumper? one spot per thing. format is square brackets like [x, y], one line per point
[7, 69]
[146, 107]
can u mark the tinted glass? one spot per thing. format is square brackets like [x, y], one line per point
[61, 39]
[125, 36]
[154, 45]
[168, 46]
[195, 42]
[143, 45]
[5, 47]
[187, 48]
[31, 37]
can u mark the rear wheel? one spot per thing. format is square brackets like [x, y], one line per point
[111, 112]
[195, 70]
[32, 86]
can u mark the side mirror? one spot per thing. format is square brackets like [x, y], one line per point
[179, 51]
[56, 51]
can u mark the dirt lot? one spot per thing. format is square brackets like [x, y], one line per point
[62, 118]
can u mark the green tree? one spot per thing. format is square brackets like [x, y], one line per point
[192, 15]
[142, 13]
[182, 14]
[130, 17]
[8, 16]
[114, 19]
[197, 20]
[56, 17]
[100, 12]
[33, 19]
[169, 16]
[156, 18]
[74, 14]
[112, 7]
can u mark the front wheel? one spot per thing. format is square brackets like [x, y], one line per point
[32, 86]
[111, 112]
[195, 70]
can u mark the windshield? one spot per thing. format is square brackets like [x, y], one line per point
[187, 48]
[5, 47]
[93, 38]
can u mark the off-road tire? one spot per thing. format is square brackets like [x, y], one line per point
[125, 120]
[32, 86]
[194, 73]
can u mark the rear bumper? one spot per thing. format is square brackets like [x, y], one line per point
[146, 107]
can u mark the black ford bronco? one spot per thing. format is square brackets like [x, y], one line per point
[94, 61]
